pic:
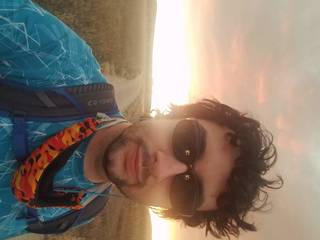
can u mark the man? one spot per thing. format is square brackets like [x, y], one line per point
[203, 163]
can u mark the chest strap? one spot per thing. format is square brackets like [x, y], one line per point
[33, 180]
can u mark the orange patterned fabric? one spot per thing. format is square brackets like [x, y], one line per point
[27, 177]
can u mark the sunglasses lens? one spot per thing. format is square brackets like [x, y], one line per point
[186, 141]
[184, 194]
[187, 144]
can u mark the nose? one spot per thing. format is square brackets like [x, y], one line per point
[166, 166]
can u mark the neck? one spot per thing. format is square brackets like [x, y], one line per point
[93, 161]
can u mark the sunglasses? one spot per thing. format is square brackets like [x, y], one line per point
[188, 142]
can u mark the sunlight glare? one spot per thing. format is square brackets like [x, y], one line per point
[161, 229]
[171, 70]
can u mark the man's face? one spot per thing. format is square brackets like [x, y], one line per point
[142, 163]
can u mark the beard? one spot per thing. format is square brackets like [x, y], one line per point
[114, 167]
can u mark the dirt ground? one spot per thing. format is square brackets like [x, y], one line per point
[120, 33]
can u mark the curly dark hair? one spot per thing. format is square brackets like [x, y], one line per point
[246, 186]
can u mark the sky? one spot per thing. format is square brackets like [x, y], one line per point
[262, 58]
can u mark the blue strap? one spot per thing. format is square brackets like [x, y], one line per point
[32, 215]
[71, 99]
[19, 136]
[20, 146]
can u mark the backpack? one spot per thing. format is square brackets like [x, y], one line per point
[57, 104]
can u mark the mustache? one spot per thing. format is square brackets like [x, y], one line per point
[146, 163]
[122, 139]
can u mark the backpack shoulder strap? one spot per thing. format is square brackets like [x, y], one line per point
[52, 104]
[60, 102]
